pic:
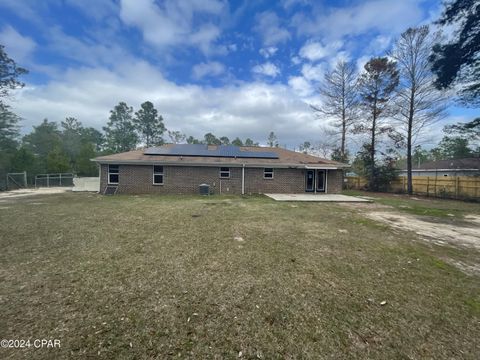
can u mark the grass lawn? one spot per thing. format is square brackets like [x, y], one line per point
[225, 277]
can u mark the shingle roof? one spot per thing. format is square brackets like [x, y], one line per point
[453, 164]
[285, 158]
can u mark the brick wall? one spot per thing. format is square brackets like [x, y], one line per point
[138, 179]
[334, 181]
[284, 181]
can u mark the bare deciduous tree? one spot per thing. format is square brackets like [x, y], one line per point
[340, 98]
[326, 145]
[418, 103]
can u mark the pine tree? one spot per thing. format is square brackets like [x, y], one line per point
[377, 84]
[120, 130]
[149, 124]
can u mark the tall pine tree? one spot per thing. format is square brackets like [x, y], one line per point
[120, 130]
[377, 84]
[149, 124]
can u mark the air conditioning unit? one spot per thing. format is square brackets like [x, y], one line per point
[204, 189]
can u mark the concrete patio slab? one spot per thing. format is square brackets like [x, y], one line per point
[316, 197]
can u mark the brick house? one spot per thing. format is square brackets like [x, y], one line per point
[181, 168]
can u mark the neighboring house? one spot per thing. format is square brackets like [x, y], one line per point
[451, 167]
[182, 168]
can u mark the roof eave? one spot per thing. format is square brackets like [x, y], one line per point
[433, 170]
[236, 164]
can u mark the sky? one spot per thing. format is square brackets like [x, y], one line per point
[238, 68]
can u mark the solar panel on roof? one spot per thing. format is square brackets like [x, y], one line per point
[203, 150]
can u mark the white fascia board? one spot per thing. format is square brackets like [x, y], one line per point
[434, 170]
[177, 163]
[220, 164]
[323, 167]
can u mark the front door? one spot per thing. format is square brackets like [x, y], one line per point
[310, 181]
[321, 180]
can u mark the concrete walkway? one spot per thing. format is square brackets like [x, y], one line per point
[316, 197]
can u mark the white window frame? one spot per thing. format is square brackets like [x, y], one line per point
[268, 172]
[158, 173]
[224, 171]
[114, 173]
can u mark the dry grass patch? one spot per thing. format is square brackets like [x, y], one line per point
[159, 277]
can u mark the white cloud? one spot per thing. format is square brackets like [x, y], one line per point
[267, 69]
[90, 53]
[314, 50]
[89, 94]
[232, 47]
[339, 56]
[313, 72]
[296, 60]
[172, 23]
[268, 51]
[301, 86]
[269, 28]
[379, 44]
[381, 15]
[23, 9]
[290, 3]
[18, 47]
[99, 10]
[361, 61]
[212, 68]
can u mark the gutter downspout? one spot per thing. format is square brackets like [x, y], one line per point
[243, 179]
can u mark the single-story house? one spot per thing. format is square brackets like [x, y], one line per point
[445, 168]
[182, 168]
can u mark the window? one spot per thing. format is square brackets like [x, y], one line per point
[268, 173]
[113, 174]
[224, 173]
[157, 175]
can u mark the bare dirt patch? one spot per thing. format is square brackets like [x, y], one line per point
[440, 233]
[460, 231]
[10, 195]
[473, 218]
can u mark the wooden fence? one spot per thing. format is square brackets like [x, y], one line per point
[456, 187]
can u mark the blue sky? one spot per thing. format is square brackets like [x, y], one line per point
[239, 68]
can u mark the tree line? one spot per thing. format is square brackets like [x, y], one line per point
[396, 98]
[68, 147]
